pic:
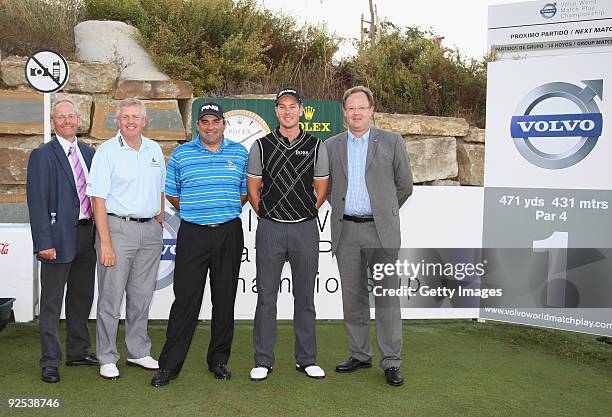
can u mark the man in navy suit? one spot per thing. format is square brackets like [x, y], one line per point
[62, 232]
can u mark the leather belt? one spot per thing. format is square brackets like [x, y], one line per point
[130, 219]
[218, 224]
[358, 219]
[83, 222]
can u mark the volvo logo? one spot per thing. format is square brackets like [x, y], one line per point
[549, 10]
[527, 129]
[165, 275]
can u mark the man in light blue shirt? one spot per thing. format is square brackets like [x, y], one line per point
[126, 182]
[357, 197]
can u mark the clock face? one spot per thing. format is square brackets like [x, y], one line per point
[244, 127]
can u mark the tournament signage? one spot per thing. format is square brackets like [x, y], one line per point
[548, 180]
[250, 119]
[538, 28]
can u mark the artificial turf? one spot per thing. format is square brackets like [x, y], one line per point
[452, 368]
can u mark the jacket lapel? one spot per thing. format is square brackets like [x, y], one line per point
[342, 145]
[86, 155]
[63, 162]
[372, 146]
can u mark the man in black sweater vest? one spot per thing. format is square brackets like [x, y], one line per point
[287, 181]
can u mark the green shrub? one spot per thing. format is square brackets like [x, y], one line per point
[226, 47]
[409, 72]
[30, 25]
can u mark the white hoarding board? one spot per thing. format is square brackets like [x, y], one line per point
[434, 217]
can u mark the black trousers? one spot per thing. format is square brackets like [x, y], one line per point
[200, 250]
[80, 277]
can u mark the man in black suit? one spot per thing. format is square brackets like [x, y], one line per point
[62, 232]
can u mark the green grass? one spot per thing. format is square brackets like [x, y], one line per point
[452, 368]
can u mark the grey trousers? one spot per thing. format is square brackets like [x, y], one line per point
[352, 265]
[137, 249]
[275, 243]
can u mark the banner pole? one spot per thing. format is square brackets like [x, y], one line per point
[47, 116]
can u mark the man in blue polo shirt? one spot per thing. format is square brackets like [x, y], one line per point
[206, 182]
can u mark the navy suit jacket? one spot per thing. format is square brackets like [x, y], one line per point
[51, 189]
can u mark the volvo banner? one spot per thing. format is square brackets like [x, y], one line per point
[548, 180]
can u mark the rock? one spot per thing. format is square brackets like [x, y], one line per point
[164, 120]
[94, 77]
[84, 77]
[162, 89]
[13, 71]
[167, 148]
[115, 43]
[20, 141]
[83, 103]
[12, 194]
[470, 158]
[475, 135]
[410, 124]
[13, 207]
[21, 112]
[433, 158]
[442, 183]
[14, 165]
[185, 107]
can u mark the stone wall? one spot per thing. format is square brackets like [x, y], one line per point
[95, 89]
[443, 151]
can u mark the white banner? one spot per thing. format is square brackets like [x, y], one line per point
[433, 217]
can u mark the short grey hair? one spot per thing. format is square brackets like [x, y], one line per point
[358, 89]
[128, 102]
[64, 100]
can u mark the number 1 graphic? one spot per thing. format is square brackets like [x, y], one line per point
[556, 247]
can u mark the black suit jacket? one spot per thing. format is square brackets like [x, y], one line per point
[51, 189]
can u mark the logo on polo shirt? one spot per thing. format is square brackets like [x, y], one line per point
[154, 163]
[230, 164]
[301, 153]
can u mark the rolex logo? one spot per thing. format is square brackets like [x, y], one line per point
[309, 111]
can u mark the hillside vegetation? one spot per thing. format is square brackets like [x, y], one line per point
[228, 47]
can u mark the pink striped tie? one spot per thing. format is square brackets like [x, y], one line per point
[81, 184]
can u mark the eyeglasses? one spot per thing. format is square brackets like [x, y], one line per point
[360, 109]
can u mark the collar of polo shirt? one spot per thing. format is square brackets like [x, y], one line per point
[124, 146]
[199, 144]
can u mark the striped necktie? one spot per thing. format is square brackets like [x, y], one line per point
[81, 183]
